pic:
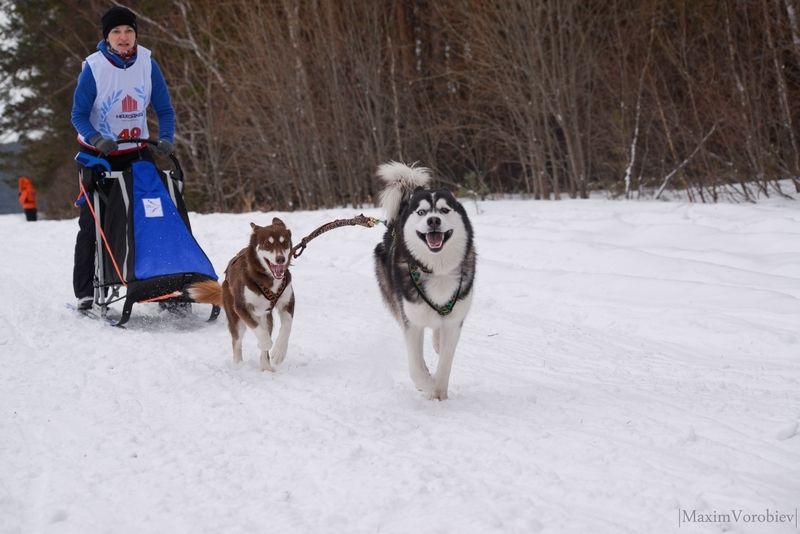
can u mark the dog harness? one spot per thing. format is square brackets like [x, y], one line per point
[274, 296]
[444, 309]
[271, 296]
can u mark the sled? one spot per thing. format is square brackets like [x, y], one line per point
[145, 250]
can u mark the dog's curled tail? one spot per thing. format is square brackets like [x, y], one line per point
[400, 180]
[206, 292]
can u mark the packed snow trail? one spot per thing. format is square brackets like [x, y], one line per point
[623, 362]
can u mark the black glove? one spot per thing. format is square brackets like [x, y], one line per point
[165, 147]
[104, 145]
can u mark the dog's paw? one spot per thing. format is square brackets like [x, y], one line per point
[278, 355]
[423, 383]
[266, 365]
[438, 394]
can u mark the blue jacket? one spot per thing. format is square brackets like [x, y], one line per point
[86, 93]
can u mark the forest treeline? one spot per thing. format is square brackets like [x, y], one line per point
[291, 104]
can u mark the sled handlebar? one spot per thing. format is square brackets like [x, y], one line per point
[178, 170]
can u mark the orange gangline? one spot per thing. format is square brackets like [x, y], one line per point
[102, 234]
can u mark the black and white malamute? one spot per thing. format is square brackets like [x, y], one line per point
[425, 268]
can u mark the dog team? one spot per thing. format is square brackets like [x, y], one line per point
[425, 264]
[425, 267]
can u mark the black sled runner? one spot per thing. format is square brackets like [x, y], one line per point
[145, 250]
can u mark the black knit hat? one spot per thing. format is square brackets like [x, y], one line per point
[118, 16]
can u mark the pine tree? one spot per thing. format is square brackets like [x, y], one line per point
[42, 46]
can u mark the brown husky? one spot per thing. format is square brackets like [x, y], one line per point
[257, 281]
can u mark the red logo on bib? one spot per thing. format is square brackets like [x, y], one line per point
[129, 104]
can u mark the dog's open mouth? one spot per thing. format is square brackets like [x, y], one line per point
[278, 271]
[435, 240]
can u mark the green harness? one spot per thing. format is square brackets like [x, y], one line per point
[444, 309]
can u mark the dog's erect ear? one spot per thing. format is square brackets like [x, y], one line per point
[254, 226]
[277, 221]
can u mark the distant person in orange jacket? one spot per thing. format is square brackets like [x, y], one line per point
[27, 197]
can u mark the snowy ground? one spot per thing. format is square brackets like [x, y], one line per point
[624, 363]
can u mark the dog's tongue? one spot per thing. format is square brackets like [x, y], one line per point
[277, 270]
[434, 239]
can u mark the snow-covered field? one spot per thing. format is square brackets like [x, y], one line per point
[627, 367]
